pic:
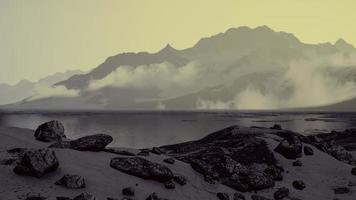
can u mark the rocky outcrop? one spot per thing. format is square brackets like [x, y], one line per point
[50, 131]
[232, 157]
[71, 181]
[37, 162]
[142, 168]
[290, 148]
[328, 145]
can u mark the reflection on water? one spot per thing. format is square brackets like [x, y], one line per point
[147, 129]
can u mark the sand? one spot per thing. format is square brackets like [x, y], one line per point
[320, 172]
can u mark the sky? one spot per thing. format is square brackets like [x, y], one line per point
[42, 37]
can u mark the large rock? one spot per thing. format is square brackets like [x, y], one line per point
[50, 131]
[232, 157]
[142, 168]
[290, 148]
[96, 142]
[37, 162]
[71, 181]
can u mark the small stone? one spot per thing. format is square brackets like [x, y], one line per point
[341, 190]
[308, 151]
[239, 196]
[169, 185]
[169, 161]
[129, 191]
[223, 196]
[181, 180]
[353, 171]
[297, 163]
[281, 193]
[298, 184]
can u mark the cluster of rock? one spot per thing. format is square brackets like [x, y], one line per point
[336, 144]
[234, 157]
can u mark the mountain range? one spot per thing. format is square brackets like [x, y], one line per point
[242, 68]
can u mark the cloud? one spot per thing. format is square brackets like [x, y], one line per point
[311, 81]
[42, 91]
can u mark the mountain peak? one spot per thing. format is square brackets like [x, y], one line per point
[342, 45]
[168, 49]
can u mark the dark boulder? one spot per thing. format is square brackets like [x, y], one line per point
[37, 162]
[85, 196]
[281, 193]
[238, 196]
[96, 142]
[169, 161]
[341, 190]
[129, 191]
[142, 168]
[222, 196]
[308, 151]
[71, 181]
[50, 131]
[169, 185]
[258, 197]
[181, 180]
[298, 184]
[290, 148]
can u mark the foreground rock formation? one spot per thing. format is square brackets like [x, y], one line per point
[234, 163]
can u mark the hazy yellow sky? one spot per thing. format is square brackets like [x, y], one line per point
[40, 37]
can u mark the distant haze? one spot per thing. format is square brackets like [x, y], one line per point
[241, 68]
[39, 38]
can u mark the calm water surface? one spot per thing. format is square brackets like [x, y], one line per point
[147, 129]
